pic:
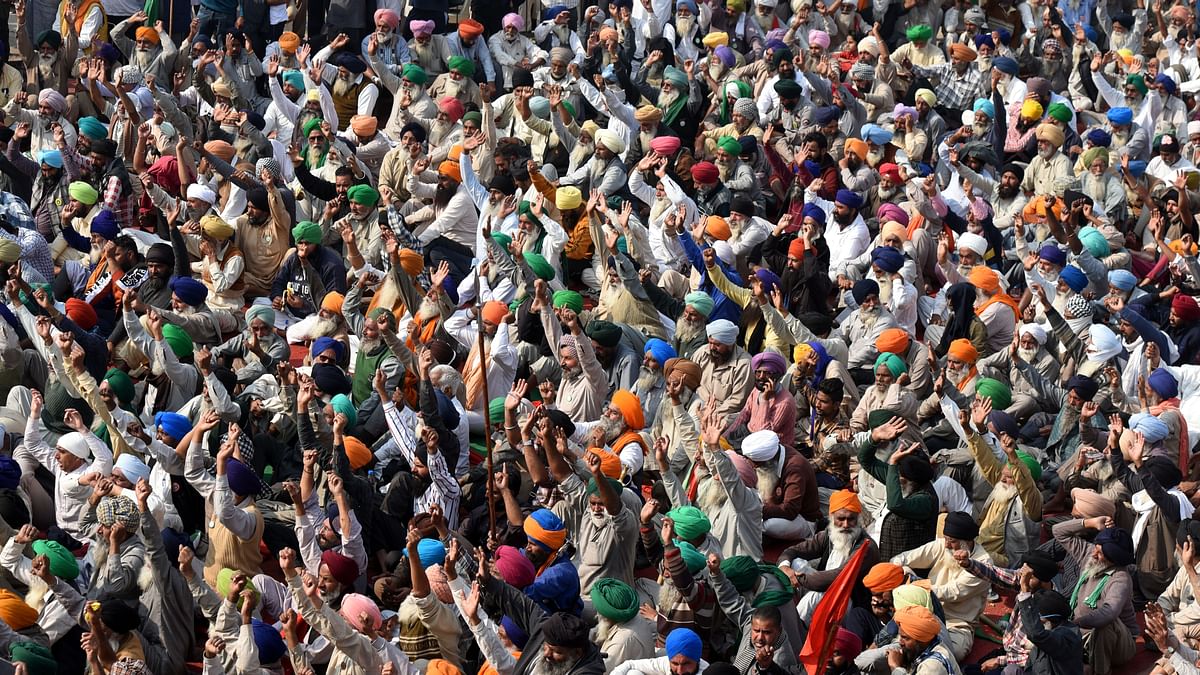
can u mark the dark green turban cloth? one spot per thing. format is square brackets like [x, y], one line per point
[593, 488]
[1138, 82]
[415, 74]
[878, 418]
[742, 571]
[37, 659]
[314, 123]
[693, 558]
[541, 268]
[363, 194]
[690, 522]
[503, 239]
[461, 65]
[996, 390]
[730, 144]
[1059, 112]
[569, 299]
[48, 37]
[496, 410]
[473, 116]
[606, 333]
[62, 561]
[307, 232]
[614, 600]
[121, 384]
[525, 208]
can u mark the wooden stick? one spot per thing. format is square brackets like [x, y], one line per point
[487, 422]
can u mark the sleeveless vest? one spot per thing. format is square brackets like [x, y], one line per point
[347, 106]
[364, 374]
[898, 534]
[231, 251]
[225, 549]
[85, 7]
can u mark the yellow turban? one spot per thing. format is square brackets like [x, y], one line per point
[1031, 109]
[216, 228]
[802, 352]
[716, 39]
[928, 96]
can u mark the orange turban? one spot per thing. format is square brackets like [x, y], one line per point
[918, 623]
[857, 146]
[962, 52]
[455, 153]
[411, 262]
[892, 340]
[289, 41]
[364, 125]
[441, 667]
[717, 228]
[610, 462]
[470, 28]
[333, 302]
[357, 452]
[844, 499]
[631, 408]
[893, 229]
[985, 279]
[964, 351]
[221, 149]
[451, 169]
[495, 311]
[609, 33]
[15, 612]
[884, 577]
[147, 33]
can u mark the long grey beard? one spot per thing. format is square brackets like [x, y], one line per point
[612, 428]
[453, 87]
[1003, 492]
[369, 346]
[563, 33]
[581, 154]
[868, 318]
[842, 542]
[725, 169]
[325, 327]
[45, 65]
[712, 496]
[1094, 187]
[439, 131]
[647, 379]
[143, 58]
[341, 86]
[764, 22]
[665, 99]
[686, 331]
[767, 480]
[428, 310]
[544, 667]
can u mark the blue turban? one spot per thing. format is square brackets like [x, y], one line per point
[1004, 423]
[1006, 65]
[51, 158]
[552, 12]
[984, 39]
[173, 424]
[242, 479]
[430, 552]
[769, 279]
[848, 198]
[325, 343]
[660, 350]
[813, 211]
[864, 288]
[812, 167]
[1149, 426]
[895, 364]
[557, 590]
[876, 135]
[1099, 138]
[294, 78]
[887, 259]
[1094, 242]
[986, 107]
[105, 225]
[514, 632]
[10, 473]
[1052, 254]
[1120, 116]
[446, 409]
[1117, 545]
[1163, 383]
[190, 291]
[330, 379]
[775, 44]
[1083, 386]
[1074, 278]
[826, 114]
[1090, 33]
[1122, 280]
[92, 128]
[270, 645]
[1137, 168]
[1166, 82]
[684, 641]
[690, 4]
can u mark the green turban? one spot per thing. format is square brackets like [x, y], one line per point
[121, 385]
[496, 410]
[700, 301]
[62, 562]
[1093, 154]
[1059, 112]
[1035, 469]
[541, 268]
[179, 341]
[92, 128]
[690, 522]
[503, 239]
[693, 558]
[895, 364]
[342, 404]
[593, 488]
[1138, 82]
[314, 123]
[48, 37]
[225, 581]
[742, 571]
[569, 299]
[877, 418]
[1093, 240]
[730, 144]
[474, 116]
[38, 660]
[264, 312]
[363, 194]
[676, 77]
[83, 193]
[736, 5]
[606, 333]
[461, 65]
[996, 390]
[415, 74]
[773, 599]
[919, 33]
[525, 208]
[614, 600]
[307, 232]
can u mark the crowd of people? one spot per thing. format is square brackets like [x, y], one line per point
[649, 337]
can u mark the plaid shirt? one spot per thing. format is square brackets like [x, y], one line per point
[406, 240]
[1016, 650]
[443, 490]
[112, 200]
[954, 91]
[695, 602]
[35, 252]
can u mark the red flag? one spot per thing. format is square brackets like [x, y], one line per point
[827, 616]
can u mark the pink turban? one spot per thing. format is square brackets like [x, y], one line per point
[889, 211]
[53, 99]
[665, 145]
[513, 20]
[391, 18]
[354, 605]
[452, 107]
[818, 38]
[420, 28]
[745, 469]
[514, 567]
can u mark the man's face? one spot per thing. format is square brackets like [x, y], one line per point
[682, 665]
[911, 647]
[960, 66]
[107, 396]
[723, 157]
[883, 376]
[765, 380]
[841, 210]
[304, 249]
[953, 544]
[721, 351]
[567, 360]
[825, 405]
[881, 605]
[326, 583]
[763, 632]
[316, 140]
[559, 655]
[1169, 156]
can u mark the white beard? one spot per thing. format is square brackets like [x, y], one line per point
[544, 667]
[572, 373]
[563, 33]
[1028, 355]
[716, 69]
[980, 130]
[46, 64]
[1047, 153]
[1119, 139]
[665, 99]
[604, 628]
[427, 310]
[143, 57]
[325, 327]
[438, 132]
[1003, 492]
[453, 87]
[767, 480]
[957, 377]
[647, 379]
[841, 542]
[712, 496]
[764, 22]
[683, 26]
[868, 317]
[341, 86]
[685, 330]
[724, 168]
[612, 428]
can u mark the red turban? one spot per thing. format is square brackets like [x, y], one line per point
[452, 107]
[82, 313]
[705, 172]
[665, 145]
[514, 567]
[342, 568]
[847, 643]
[1185, 307]
[796, 248]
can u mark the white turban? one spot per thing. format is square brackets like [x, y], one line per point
[133, 468]
[724, 251]
[610, 140]
[973, 242]
[764, 446]
[1105, 343]
[198, 191]
[76, 444]
[868, 45]
[53, 99]
[1034, 331]
[723, 331]
[1193, 127]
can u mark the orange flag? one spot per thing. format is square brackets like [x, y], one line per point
[827, 616]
